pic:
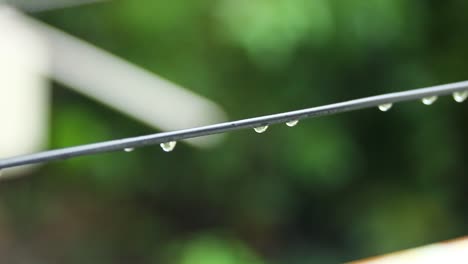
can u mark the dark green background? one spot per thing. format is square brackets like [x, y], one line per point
[330, 190]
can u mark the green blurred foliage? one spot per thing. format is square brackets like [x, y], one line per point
[211, 249]
[329, 190]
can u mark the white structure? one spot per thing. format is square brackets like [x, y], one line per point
[24, 91]
[31, 52]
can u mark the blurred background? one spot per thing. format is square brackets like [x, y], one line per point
[329, 190]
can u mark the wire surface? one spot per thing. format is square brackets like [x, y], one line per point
[140, 141]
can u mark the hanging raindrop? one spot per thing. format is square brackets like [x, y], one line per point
[460, 96]
[129, 149]
[429, 100]
[385, 107]
[292, 123]
[261, 129]
[168, 146]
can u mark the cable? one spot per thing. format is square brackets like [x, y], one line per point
[168, 139]
[37, 6]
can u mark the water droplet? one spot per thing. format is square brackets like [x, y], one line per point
[168, 146]
[261, 129]
[129, 149]
[385, 107]
[429, 100]
[292, 123]
[460, 96]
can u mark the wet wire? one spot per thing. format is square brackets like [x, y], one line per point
[168, 139]
[38, 6]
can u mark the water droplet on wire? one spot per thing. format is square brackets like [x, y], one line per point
[129, 149]
[460, 96]
[261, 129]
[385, 107]
[292, 123]
[168, 146]
[429, 100]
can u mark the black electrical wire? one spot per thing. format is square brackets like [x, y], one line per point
[459, 89]
[37, 6]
